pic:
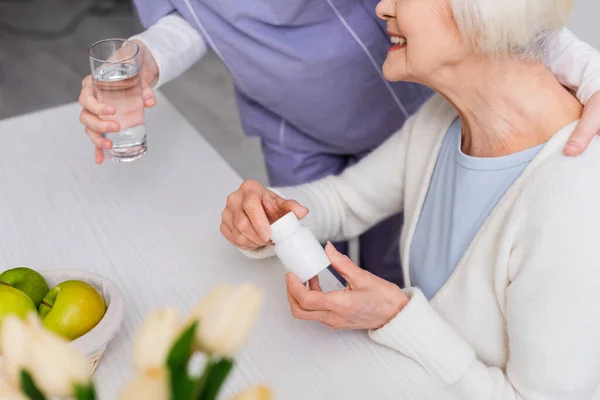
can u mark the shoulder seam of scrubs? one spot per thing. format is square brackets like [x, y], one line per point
[282, 132]
[214, 46]
[362, 45]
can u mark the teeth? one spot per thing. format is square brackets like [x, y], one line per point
[398, 40]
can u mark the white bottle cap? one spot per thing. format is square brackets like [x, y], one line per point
[284, 226]
[297, 248]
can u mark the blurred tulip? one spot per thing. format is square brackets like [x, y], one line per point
[15, 347]
[209, 301]
[155, 338]
[55, 365]
[8, 392]
[226, 317]
[254, 393]
[152, 384]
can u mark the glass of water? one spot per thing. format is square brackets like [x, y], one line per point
[116, 73]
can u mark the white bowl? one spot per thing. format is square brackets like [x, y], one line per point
[94, 343]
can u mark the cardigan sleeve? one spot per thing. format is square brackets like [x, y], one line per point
[575, 64]
[344, 206]
[551, 310]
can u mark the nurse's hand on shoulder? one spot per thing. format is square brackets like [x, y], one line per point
[368, 302]
[588, 127]
[96, 117]
[249, 213]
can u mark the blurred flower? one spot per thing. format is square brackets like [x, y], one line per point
[226, 317]
[155, 338]
[53, 363]
[8, 392]
[254, 393]
[15, 338]
[209, 301]
[153, 384]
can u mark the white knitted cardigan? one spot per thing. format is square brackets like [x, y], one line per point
[519, 317]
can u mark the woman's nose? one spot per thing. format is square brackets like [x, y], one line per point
[386, 9]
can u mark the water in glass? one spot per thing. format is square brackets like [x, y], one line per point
[120, 86]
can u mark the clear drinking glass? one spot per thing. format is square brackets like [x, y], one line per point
[116, 73]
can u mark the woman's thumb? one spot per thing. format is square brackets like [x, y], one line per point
[277, 207]
[342, 263]
[299, 210]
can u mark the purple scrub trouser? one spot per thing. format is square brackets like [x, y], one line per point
[380, 246]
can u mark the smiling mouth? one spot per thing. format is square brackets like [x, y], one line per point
[397, 40]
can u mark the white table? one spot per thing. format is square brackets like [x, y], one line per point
[152, 227]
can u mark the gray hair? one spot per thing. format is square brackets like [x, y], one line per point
[513, 27]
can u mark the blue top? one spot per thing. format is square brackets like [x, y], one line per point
[307, 73]
[462, 193]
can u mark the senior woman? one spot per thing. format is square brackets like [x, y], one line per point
[501, 245]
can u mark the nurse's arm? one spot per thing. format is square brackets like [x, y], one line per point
[175, 46]
[576, 65]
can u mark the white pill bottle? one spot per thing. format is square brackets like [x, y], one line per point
[297, 248]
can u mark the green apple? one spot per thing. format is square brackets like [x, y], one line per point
[72, 309]
[13, 301]
[27, 281]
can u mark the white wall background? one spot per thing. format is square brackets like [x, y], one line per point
[585, 21]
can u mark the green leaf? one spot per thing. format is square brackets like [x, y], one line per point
[182, 386]
[177, 362]
[200, 383]
[216, 374]
[29, 388]
[85, 392]
[181, 351]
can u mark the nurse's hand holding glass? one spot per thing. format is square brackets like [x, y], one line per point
[99, 117]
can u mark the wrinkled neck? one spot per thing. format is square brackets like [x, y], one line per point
[506, 105]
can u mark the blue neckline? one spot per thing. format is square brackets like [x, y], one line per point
[490, 163]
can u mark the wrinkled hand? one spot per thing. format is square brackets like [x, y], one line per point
[96, 116]
[368, 302]
[250, 211]
[588, 127]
